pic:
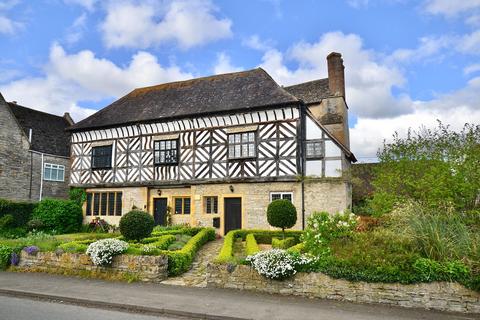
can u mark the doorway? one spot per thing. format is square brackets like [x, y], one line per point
[160, 211]
[232, 214]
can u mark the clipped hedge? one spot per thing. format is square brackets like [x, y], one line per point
[283, 243]
[180, 261]
[21, 211]
[61, 216]
[251, 245]
[261, 236]
[298, 248]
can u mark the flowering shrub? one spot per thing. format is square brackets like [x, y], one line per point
[277, 264]
[102, 251]
[323, 228]
[31, 250]
[14, 259]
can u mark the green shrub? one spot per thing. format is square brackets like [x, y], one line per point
[226, 252]
[35, 224]
[251, 246]
[21, 211]
[283, 243]
[74, 247]
[183, 237]
[297, 249]
[5, 254]
[431, 270]
[136, 225]
[176, 246]
[281, 214]
[13, 233]
[60, 216]
[6, 221]
[78, 195]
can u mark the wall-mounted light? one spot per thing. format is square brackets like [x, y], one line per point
[231, 188]
[159, 192]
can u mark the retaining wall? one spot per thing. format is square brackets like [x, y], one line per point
[146, 268]
[444, 296]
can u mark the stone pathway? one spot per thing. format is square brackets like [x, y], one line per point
[197, 275]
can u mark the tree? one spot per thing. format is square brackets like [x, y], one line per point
[437, 167]
[281, 214]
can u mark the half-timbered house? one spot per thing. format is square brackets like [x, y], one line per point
[215, 151]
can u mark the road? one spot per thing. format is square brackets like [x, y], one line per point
[26, 309]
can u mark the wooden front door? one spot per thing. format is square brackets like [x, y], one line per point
[160, 211]
[232, 214]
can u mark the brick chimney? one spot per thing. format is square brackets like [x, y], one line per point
[336, 74]
[69, 119]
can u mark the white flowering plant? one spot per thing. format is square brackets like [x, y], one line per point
[102, 251]
[278, 264]
[323, 227]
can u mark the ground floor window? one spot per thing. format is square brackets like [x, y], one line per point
[54, 172]
[182, 205]
[210, 204]
[104, 204]
[281, 195]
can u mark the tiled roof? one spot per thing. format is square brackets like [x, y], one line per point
[48, 130]
[311, 91]
[215, 94]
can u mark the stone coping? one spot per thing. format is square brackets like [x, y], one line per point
[443, 296]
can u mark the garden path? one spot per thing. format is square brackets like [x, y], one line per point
[197, 275]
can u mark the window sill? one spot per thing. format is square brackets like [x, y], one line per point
[105, 168]
[241, 159]
[165, 164]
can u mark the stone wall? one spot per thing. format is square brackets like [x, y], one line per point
[147, 268]
[444, 296]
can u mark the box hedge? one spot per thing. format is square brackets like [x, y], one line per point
[21, 211]
[283, 243]
[251, 245]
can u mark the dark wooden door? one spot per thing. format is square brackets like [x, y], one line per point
[232, 214]
[159, 210]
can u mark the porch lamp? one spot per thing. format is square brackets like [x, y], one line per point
[159, 192]
[231, 188]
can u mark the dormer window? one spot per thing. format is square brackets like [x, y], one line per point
[242, 145]
[165, 152]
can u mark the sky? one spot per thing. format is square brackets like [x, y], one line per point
[408, 63]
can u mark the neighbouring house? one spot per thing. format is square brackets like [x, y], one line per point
[215, 151]
[34, 153]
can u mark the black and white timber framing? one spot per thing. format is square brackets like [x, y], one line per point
[202, 150]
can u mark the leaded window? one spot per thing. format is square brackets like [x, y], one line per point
[102, 157]
[166, 152]
[104, 204]
[315, 149]
[211, 205]
[241, 145]
[182, 205]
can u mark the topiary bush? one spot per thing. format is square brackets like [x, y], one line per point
[136, 225]
[282, 214]
[59, 216]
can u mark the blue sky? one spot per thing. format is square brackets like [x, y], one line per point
[408, 63]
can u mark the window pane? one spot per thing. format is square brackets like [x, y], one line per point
[208, 205]
[61, 176]
[237, 138]
[96, 204]
[231, 138]
[111, 203]
[231, 152]
[186, 206]
[103, 208]
[287, 196]
[215, 204]
[251, 150]
[238, 152]
[244, 137]
[118, 208]
[88, 210]
[244, 150]
[102, 157]
[178, 205]
[251, 137]
[276, 196]
[162, 145]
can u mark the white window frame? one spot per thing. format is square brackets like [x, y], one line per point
[281, 193]
[52, 167]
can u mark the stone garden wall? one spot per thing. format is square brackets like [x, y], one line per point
[146, 268]
[443, 296]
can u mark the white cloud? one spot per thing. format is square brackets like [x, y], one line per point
[142, 25]
[368, 81]
[254, 42]
[87, 4]
[7, 25]
[455, 109]
[471, 68]
[76, 30]
[451, 8]
[70, 78]
[224, 65]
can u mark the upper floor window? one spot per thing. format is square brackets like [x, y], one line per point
[241, 145]
[53, 172]
[315, 149]
[281, 195]
[102, 157]
[165, 152]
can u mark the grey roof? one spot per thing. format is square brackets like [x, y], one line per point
[215, 94]
[49, 133]
[311, 91]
